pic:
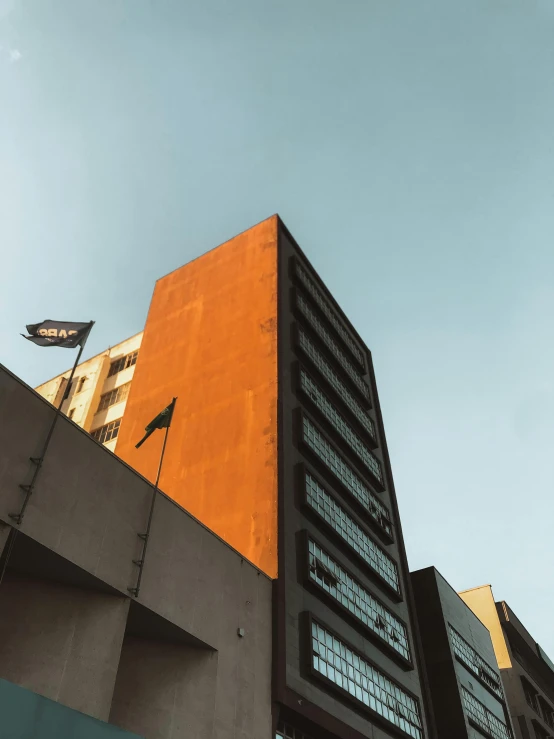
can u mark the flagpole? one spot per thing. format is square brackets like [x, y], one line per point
[38, 461]
[146, 536]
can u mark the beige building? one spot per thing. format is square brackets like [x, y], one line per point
[99, 390]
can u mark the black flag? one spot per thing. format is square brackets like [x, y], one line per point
[59, 333]
[162, 421]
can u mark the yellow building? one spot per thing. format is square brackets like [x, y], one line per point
[99, 390]
[527, 671]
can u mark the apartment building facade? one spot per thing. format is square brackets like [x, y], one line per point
[98, 394]
[527, 671]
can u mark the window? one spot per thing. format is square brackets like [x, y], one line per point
[342, 524]
[329, 412]
[547, 712]
[540, 733]
[332, 345]
[329, 312]
[120, 364]
[350, 672]
[345, 474]
[483, 719]
[313, 353]
[71, 412]
[81, 384]
[531, 695]
[347, 591]
[107, 432]
[116, 395]
[474, 662]
[286, 731]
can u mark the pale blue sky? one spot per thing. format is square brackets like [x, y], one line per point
[407, 145]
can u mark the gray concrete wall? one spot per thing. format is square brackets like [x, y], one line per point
[86, 513]
[165, 689]
[62, 642]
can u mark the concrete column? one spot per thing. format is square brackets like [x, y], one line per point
[61, 642]
[165, 689]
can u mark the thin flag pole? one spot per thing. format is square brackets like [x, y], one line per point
[38, 461]
[146, 536]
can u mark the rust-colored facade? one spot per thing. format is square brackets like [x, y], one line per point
[277, 445]
[211, 340]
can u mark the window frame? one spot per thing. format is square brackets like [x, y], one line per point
[305, 537]
[396, 595]
[126, 364]
[501, 698]
[332, 306]
[307, 620]
[104, 426]
[362, 389]
[111, 392]
[374, 521]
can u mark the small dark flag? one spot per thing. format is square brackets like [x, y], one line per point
[59, 333]
[162, 421]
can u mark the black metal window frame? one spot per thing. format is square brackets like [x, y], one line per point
[107, 432]
[286, 730]
[317, 293]
[336, 583]
[334, 463]
[344, 528]
[335, 663]
[118, 365]
[318, 362]
[482, 719]
[472, 661]
[342, 428]
[531, 694]
[327, 339]
[547, 712]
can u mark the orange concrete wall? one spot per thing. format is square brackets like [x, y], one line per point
[211, 340]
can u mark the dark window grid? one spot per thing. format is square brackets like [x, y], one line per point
[347, 434]
[531, 695]
[483, 719]
[332, 345]
[117, 395]
[546, 711]
[351, 595]
[475, 663]
[334, 515]
[329, 312]
[107, 432]
[350, 672]
[320, 363]
[120, 364]
[315, 441]
[540, 732]
[287, 731]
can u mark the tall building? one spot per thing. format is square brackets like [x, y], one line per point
[527, 671]
[82, 654]
[467, 694]
[99, 389]
[277, 444]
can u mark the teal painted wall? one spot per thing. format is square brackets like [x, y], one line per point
[26, 715]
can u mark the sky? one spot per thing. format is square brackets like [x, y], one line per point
[408, 146]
